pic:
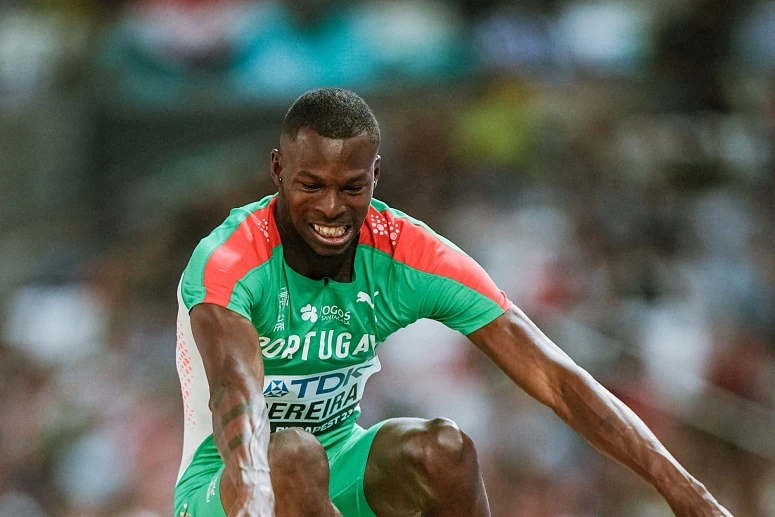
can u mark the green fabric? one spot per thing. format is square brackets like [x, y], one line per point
[198, 491]
[319, 338]
[347, 461]
[193, 289]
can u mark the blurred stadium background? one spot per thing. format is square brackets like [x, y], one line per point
[609, 162]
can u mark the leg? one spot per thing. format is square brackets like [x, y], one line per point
[424, 467]
[299, 472]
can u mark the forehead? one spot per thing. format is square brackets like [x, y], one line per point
[311, 151]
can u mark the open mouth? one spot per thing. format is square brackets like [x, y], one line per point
[332, 234]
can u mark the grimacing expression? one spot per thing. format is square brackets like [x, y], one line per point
[326, 186]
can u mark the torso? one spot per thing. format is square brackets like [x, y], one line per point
[319, 338]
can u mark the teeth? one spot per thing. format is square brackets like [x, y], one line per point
[330, 231]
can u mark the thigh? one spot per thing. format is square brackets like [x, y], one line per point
[420, 467]
[391, 486]
[298, 467]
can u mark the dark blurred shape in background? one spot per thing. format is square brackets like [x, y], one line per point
[609, 163]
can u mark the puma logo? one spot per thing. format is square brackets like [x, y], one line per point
[364, 297]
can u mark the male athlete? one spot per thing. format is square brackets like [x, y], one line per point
[282, 310]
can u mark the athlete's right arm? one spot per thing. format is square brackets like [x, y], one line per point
[230, 350]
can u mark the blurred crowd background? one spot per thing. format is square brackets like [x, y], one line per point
[610, 163]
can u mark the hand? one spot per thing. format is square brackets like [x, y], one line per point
[254, 503]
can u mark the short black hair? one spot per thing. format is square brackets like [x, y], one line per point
[332, 113]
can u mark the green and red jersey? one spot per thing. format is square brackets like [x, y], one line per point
[319, 338]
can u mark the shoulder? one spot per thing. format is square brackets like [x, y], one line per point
[414, 244]
[247, 236]
[244, 241]
[405, 238]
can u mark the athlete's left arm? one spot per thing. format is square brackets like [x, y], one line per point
[537, 365]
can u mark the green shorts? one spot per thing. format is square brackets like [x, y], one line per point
[197, 494]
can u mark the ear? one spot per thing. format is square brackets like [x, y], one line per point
[377, 162]
[276, 167]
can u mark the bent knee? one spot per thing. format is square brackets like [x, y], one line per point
[438, 446]
[298, 466]
[294, 450]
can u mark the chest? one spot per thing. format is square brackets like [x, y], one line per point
[308, 326]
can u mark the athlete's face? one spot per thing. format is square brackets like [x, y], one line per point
[325, 187]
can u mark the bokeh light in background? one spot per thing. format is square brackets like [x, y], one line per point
[609, 162]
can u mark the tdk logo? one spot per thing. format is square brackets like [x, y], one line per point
[329, 382]
[276, 389]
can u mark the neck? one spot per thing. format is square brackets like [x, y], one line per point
[302, 259]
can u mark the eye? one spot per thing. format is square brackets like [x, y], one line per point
[310, 186]
[354, 189]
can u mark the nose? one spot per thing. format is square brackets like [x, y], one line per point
[331, 205]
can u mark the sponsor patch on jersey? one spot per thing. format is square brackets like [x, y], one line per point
[319, 401]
